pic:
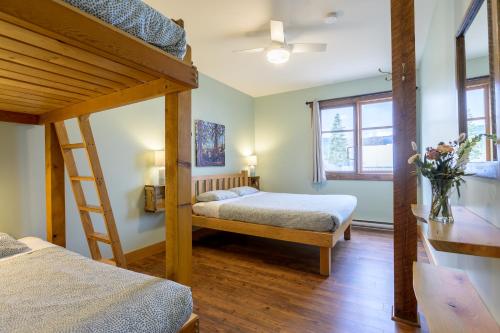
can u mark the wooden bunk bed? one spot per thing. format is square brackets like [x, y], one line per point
[324, 240]
[59, 63]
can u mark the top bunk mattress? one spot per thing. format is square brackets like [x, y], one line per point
[51, 289]
[296, 211]
[140, 20]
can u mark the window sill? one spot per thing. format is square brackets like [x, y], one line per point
[358, 176]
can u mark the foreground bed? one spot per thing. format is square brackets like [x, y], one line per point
[317, 220]
[50, 289]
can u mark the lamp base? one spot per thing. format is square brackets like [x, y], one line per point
[252, 170]
[161, 176]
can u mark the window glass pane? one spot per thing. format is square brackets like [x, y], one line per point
[475, 127]
[377, 150]
[475, 103]
[335, 119]
[376, 114]
[338, 151]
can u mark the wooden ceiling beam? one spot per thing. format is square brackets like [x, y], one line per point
[124, 97]
[20, 118]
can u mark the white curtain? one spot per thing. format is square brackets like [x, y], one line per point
[318, 168]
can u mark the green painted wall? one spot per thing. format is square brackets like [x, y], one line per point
[219, 103]
[125, 138]
[283, 142]
[439, 122]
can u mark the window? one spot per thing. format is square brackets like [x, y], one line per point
[479, 117]
[357, 137]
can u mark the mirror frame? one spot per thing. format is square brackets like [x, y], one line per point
[481, 169]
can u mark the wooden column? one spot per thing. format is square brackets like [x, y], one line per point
[405, 186]
[178, 186]
[54, 188]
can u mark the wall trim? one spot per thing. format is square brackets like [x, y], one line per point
[145, 252]
[373, 224]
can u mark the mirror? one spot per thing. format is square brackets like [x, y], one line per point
[476, 79]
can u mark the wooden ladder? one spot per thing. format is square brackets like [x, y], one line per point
[104, 208]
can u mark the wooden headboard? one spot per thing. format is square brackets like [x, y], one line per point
[201, 184]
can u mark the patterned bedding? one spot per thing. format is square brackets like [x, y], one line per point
[140, 20]
[55, 290]
[296, 211]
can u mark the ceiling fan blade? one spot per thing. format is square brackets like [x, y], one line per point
[307, 47]
[277, 32]
[256, 50]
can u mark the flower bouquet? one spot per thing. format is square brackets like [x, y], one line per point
[445, 166]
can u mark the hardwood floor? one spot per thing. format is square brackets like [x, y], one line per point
[248, 284]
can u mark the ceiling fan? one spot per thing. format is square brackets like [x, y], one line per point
[279, 51]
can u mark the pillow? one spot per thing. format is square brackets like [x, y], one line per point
[216, 196]
[10, 246]
[244, 190]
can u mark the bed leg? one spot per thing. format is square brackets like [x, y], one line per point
[347, 233]
[325, 261]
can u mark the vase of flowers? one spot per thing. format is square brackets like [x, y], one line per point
[445, 166]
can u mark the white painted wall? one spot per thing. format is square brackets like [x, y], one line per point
[439, 122]
[283, 141]
[124, 138]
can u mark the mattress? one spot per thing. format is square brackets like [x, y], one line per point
[140, 20]
[51, 289]
[297, 211]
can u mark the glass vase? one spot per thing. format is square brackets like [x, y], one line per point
[440, 207]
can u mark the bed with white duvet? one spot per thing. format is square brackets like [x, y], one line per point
[296, 211]
[46, 288]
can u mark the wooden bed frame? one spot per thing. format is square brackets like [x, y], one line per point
[192, 325]
[58, 63]
[324, 240]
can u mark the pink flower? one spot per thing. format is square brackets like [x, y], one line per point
[433, 154]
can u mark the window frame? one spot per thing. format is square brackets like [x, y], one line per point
[483, 83]
[356, 102]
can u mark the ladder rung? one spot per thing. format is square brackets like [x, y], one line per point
[83, 178]
[98, 236]
[74, 146]
[108, 261]
[93, 209]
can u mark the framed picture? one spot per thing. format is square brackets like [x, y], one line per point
[210, 144]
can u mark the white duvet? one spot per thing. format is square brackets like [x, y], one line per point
[297, 211]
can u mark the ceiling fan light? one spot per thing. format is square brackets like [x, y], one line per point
[278, 56]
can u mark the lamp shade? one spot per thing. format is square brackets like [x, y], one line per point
[159, 158]
[252, 160]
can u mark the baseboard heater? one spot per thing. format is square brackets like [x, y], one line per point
[373, 224]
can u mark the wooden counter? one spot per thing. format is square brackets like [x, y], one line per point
[449, 301]
[469, 234]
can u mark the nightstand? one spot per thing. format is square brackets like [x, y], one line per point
[254, 182]
[155, 198]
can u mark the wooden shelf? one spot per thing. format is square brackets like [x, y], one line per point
[449, 301]
[154, 196]
[469, 234]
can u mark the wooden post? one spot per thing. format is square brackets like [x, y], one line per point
[405, 186]
[461, 80]
[54, 188]
[178, 186]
